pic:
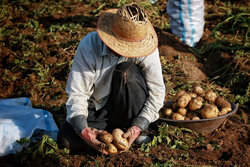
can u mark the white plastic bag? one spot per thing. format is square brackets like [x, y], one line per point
[19, 120]
[187, 20]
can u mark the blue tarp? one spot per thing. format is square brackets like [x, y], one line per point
[19, 120]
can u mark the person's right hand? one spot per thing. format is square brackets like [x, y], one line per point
[89, 135]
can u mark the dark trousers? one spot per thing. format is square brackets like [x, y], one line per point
[127, 97]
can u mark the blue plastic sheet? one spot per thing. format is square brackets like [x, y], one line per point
[19, 120]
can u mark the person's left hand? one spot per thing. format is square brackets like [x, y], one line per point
[131, 135]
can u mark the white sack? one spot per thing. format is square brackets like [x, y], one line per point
[187, 20]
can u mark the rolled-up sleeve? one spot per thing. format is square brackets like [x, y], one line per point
[80, 87]
[152, 70]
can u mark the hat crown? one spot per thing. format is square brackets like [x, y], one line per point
[127, 31]
[130, 23]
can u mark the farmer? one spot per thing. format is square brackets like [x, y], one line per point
[115, 81]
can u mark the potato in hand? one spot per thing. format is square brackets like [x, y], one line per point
[106, 138]
[114, 142]
[120, 142]
[111, 148]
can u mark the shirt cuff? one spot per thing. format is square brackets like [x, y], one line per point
[78, 123]
[141, 122]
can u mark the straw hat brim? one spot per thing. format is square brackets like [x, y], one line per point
[125, 48]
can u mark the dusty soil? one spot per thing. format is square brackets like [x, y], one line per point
[231, 138]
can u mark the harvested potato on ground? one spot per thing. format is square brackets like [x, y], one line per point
[168, 112]
[107, 138]
[120, 142]
[209, 111]
[193, 95]
[195, 118]
[221, 102]
[210, 96]
[225, 110]
[196, 103]
[178, 94]
[198, 90]
[183, 100]
[111, 148]
[177, 116]
[182, 111]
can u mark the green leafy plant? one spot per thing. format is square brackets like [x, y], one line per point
[172, 137]
[41, 147]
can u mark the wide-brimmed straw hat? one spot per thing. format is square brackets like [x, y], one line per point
[127, 31]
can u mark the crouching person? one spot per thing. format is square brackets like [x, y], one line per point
[115, 81]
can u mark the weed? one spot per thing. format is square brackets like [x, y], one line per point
[123, 2]
[40, 147]
[169, 163]
[172, 137]
[41, 70]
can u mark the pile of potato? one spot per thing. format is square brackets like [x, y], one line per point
[114, 141]
[199, 104]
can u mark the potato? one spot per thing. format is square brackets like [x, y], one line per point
[198, 90]
[209, 111]
[177, 116]
[111, 148]
[183, 100]
[182, 111]
[107, 138]
[178, 94]
[120, 142]
[168, 112]
[193, 95]
[210, 96]
[195, 118]
[221, 102]
[196, 103]
[225, 110]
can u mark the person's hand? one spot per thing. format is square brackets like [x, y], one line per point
[132, 134]
[89, 135]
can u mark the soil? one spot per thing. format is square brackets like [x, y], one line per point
[231, 138]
